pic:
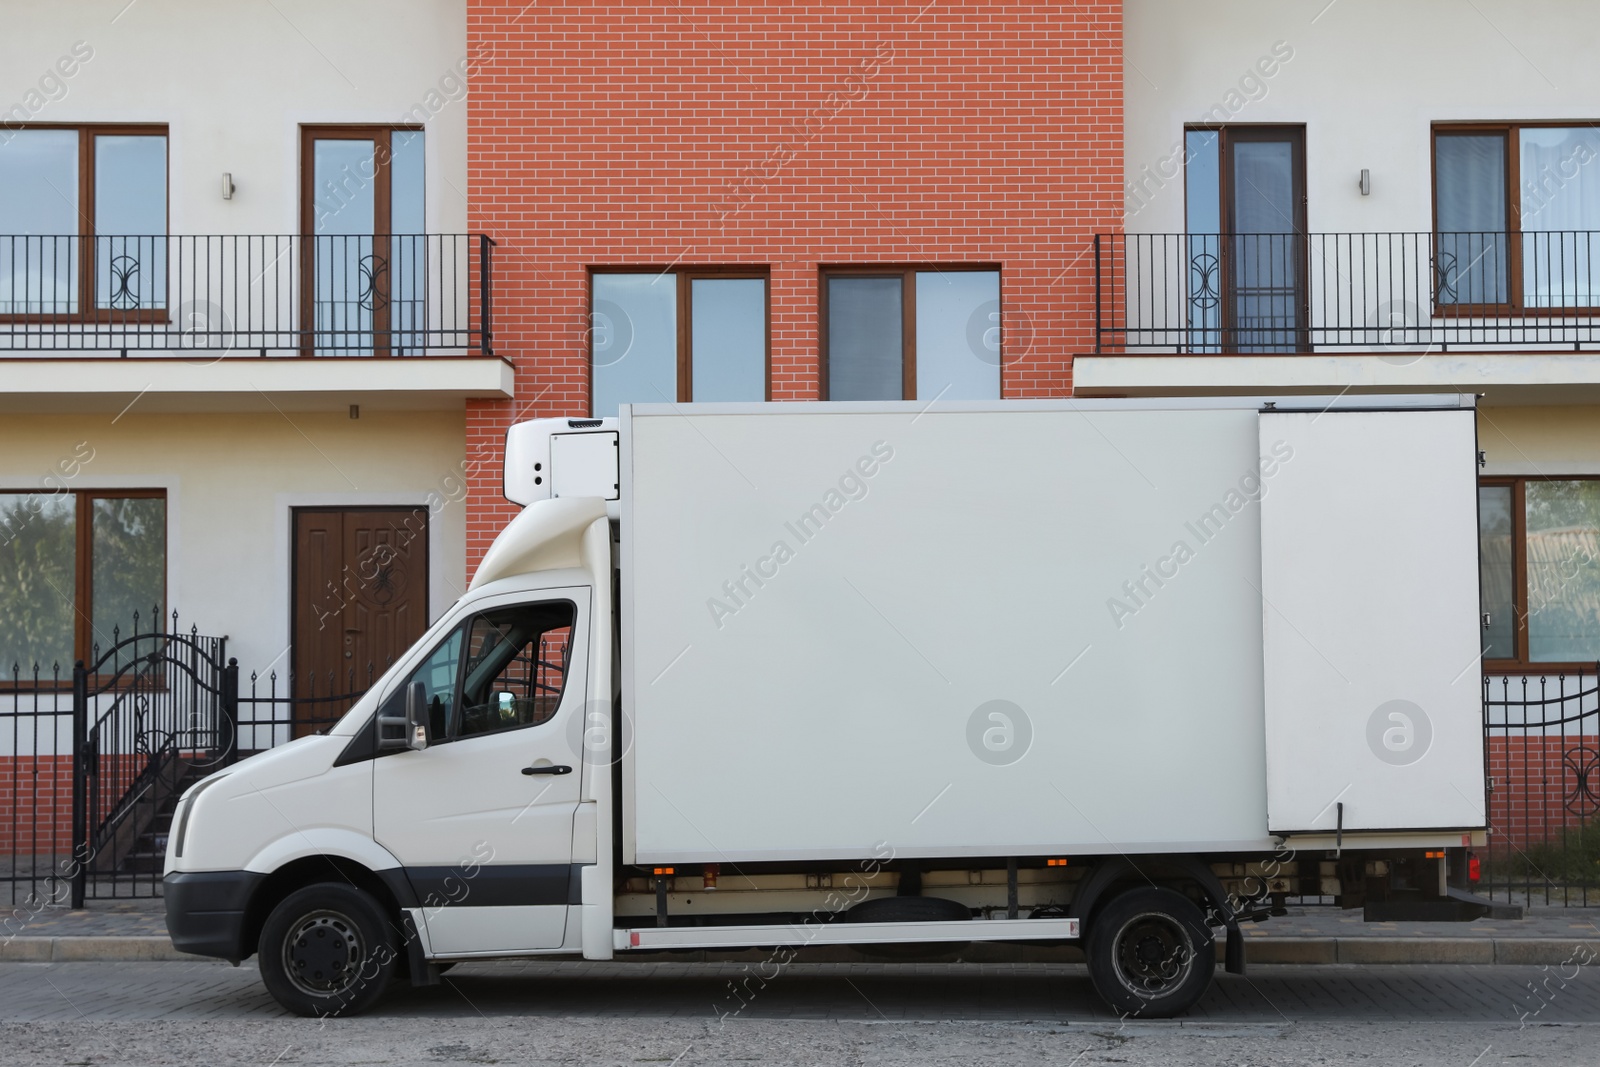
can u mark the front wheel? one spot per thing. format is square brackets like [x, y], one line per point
[1151, 954]
[326, 950]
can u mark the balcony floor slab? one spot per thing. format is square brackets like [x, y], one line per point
[195, 382]
[1502, 378]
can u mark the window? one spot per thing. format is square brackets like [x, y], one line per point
[1517, 215]
[84, 210]
[78, 571]
[437, 676]
[1244, 196]
[367, 262]
[516, 667]
[1539, 547]
[908, 333]
[695, 334]
[504, 669]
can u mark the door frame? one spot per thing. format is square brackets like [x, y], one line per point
[382, 156]
[295, 511]
[466, 928]
[1227, 134]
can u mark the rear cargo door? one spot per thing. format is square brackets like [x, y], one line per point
[1369, 583]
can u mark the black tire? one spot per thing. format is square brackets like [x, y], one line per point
[327, 949]
[1151, 954]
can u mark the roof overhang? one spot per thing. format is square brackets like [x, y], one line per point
[1505, 378]
[199, 383]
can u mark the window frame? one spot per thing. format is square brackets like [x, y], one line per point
[83, 564]
[1227, 133]
[907, 273]
[88, 311]
[463, 628]
[1520, 663]
[381, 135]
[1510, 130]
[684, 278]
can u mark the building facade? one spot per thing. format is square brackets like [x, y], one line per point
[1316, 205]
[235, 336]
[240, 321]
[265, 317]
[787, 202]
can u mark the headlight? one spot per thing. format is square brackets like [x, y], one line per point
[185, 806]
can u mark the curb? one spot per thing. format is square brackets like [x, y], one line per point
[90, 950]
[1524, 951]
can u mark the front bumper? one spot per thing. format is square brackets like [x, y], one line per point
[206, 911]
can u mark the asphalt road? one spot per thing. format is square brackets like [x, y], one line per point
[687, 1014]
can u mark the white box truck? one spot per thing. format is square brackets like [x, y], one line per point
[779, 676]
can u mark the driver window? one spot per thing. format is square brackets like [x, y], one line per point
[516, 666]
[437, 674]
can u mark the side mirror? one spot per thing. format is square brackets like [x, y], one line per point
[399, 733]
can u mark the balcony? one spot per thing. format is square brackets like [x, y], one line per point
[1399, 295]
[246, 295]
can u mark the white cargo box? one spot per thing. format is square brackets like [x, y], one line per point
[1038, 627]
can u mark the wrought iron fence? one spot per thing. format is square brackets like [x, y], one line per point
[1542, 744]
[96, 757]
[278, 709]
[248, 294]
[1301, 292]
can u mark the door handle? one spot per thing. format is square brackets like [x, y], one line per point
[549, 768]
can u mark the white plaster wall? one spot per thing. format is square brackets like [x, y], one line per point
[1366, 77]
[1540, 441]
[231, 480]
[233, 81]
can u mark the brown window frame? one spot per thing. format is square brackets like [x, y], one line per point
[907, 273]
[1227, 134]
[83, 644]
[1513, 209]
[684, 278]
[87, 311]
[1519, 578]
[381, 135]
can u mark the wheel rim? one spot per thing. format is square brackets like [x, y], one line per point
[322, 954]
[1153, 955]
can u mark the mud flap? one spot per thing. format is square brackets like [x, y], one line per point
[422, 972]
[1233, 954]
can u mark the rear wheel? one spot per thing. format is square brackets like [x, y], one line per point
[327, 949]
[1150, 953]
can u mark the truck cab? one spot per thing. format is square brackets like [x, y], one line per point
[452, 811]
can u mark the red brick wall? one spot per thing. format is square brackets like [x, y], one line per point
[36, 799]
[1537, 790]
[35, 805]
[788, 135]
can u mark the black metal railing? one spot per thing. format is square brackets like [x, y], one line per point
[1542, 746]
[1400, 292]
[276, 709]
[96, 756]
[248, 294]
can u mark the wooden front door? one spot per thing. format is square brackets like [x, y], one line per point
[360, 599]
